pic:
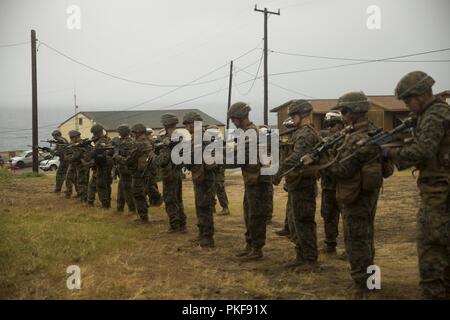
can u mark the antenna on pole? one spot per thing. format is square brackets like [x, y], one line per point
[75, 107]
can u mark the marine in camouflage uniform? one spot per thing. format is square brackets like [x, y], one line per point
[219, 185]
[429, 152]
[154, 196]
[101, 161]
[137, 162]
[358, 175]
[329, 208]
[172, 177]
[61, 172]
[80, 162]
[257, 190]
[122, 146]
[302, 187]
[285, 150]
[203, 178]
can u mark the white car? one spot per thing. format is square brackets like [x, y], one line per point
[25, 159]
[51, 164]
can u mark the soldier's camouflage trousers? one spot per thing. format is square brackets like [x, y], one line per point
[71, 180]
[173, 200]
[269, 204]
[358, 220]
[82, 182]
[100, 184]
[152, 190]
[204, 200]
[138, 189]
[61, 173]
[219, 191]
[330, 211]
[255, 214]
[289, 220]
[303, 202]
[124, 191]
[433, 236]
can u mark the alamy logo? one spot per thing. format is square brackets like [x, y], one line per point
[74, 280]
[374, 280]
[240, 147]
[74, 18]
[374, 19]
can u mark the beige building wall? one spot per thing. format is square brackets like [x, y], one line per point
[84, 125]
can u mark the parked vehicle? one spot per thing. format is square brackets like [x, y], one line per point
[25, 159]
[50, 164]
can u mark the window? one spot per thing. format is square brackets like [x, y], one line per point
[80, 121]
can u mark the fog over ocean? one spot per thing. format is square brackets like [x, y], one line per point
[15, 126]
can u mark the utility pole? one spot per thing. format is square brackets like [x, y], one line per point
[266, 77]
[34, 110]
[76, 107]
[230, 85]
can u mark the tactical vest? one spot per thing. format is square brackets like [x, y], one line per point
[439, 163]
[368, 178]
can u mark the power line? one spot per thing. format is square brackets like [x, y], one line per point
[358, 63]
[281, 87]
[135, 81]
[350, 59]
[254, 79]
[14, 44]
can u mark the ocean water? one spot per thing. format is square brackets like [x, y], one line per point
[15, 126]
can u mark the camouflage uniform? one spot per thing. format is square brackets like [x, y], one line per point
[257, 191]
[154, 196]
[203, 178]
[61, 172]
[137, 163]
[80, 161]
[429, 152]
[358, 181]
[71, 179]
[123, 145]
[102, 167]
[172, 179]
[329, 210]
[302, 187]
[219, 187]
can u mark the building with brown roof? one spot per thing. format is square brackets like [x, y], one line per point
[384, 111]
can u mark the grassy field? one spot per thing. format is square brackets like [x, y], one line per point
[41, 234]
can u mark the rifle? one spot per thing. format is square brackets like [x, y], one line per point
[382, 137]
[321, 147]
[288, 131]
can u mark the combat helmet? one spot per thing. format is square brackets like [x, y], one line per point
[239, 110]
[299, 106]
[138, 128]
[191, 117]
[413, 84]
[169, 119]
[74, 133]
[332, 118]
[123, 130]
[97, 129]
[355, 102]
[56, 133]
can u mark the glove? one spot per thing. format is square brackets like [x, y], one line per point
[386, 153]
[308, 159]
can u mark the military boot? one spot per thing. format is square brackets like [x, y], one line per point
[307, 266]
[206, 242]
[244, 252]
[224, 212]
[282, 233]
[329, 250]
[298, 261]
[255, 254]
[142, 220]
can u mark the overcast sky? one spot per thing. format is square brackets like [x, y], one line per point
[173, 42]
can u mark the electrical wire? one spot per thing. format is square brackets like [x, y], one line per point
[357, 63]
[349, 59]
[14, 44]
[135, 81]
